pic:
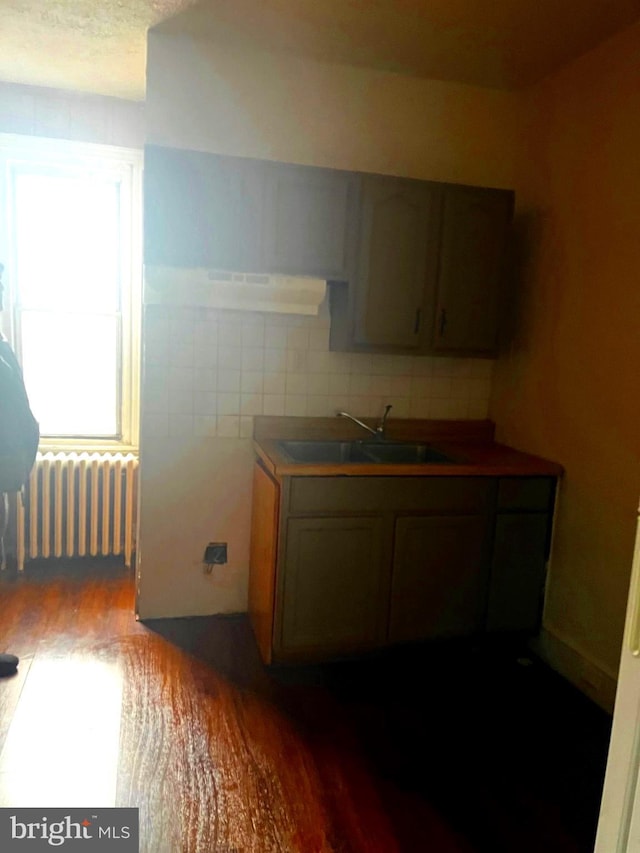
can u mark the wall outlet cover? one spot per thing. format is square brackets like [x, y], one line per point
[215, 553]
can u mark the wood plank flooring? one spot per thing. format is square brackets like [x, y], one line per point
[450, 750]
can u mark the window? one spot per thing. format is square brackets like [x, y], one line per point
[70, 238]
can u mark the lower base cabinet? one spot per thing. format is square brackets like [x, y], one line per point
[517, 571]
[439, 577]
[334, 593]
[341, 565]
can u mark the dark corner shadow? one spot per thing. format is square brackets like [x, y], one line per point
[224, 643]
[520, 260]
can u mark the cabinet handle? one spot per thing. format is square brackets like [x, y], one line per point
[443, 321]
[416, 325]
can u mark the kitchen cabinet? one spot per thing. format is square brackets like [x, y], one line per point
[239, 214]
[429, 276]
[416, 266]
[333, 594]
[474, 228]
[520, 552]
[517, 572]
[439, 577]
[344, 564]
[396, 262]
[308, 220]
[202, 210]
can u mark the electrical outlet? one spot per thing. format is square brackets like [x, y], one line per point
[215, 554]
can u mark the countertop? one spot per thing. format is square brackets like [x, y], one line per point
[470, 443]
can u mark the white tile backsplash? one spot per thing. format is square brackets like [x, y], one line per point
[252, 382]
[229, 380]
[275, 337]
[251, 404]
[228, 426]
[298, 339]
[205, 379]
[228, 404]
[274, 383]
[246, 427]
[205, 402]
[295, 405]
[205, 425]
[180, 400]
[208, 373]
[275, 360]
[273, 404]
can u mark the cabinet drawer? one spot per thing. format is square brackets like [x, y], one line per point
[527, 494]
[313, 495]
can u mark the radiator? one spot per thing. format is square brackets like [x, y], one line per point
[76, 505]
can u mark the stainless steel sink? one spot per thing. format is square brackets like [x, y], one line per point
[324, 451]
[402, 453]
[379, 452]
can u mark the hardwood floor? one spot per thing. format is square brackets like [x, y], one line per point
[450, 750]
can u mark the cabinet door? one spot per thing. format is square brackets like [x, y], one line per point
[396, 264]
[518, 572]
[201, 210]
[333, 595]
[475, 224]
[307, 222]
[438, 585]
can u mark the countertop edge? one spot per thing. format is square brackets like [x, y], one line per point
[477, 460]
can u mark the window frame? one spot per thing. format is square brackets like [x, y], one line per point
[16, 150]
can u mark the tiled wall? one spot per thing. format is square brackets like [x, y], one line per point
[207, 373]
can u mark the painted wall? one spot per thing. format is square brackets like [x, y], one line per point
[252, 103]
[568, 389]
[37, 111]
[196, 456]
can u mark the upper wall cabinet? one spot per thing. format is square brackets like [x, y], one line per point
[429, 271]
[396, 261]
[474, 230]
[421, 263]
[308, 219]
[239, 214]
[201, 210]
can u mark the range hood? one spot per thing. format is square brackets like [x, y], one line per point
[233, 290]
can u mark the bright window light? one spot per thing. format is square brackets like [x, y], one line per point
[67, 242]
[70, 367]
[74, 264]
[67, 253]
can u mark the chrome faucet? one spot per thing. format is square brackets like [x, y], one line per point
[379, 431]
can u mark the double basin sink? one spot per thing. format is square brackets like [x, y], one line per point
[368, 452]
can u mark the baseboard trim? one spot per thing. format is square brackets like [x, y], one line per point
[585, 674]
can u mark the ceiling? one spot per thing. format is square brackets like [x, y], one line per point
[90, 45]
[100, 45]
